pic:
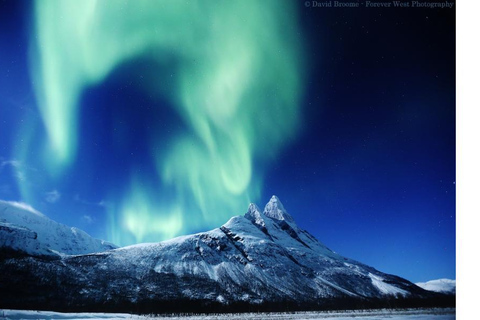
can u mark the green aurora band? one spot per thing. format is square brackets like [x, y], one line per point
[235, 78]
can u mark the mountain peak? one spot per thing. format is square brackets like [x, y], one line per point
[235, 263]
[254, 214]
[253, 208]
[275, 210]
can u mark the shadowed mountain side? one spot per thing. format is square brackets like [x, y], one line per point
[259, 261]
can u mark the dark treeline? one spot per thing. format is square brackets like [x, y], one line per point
[186, 306]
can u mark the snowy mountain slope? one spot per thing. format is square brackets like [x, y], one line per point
[256, 259]
[440, 285]
[25, 229]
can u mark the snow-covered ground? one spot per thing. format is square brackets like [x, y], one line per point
[410, 314]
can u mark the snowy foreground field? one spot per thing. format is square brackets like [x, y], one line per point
[410, 314]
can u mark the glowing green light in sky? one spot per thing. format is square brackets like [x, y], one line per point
[236, 84]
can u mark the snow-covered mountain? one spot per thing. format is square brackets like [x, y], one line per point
[25, 229]
[259, 259]
[441, 285]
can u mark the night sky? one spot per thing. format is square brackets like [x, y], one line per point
[143, 122]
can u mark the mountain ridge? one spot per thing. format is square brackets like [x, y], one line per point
[447, 286]
[257, 260]
[26, 229]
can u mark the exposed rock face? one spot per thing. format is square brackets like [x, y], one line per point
[261, 258]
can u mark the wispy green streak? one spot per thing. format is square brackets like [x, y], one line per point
[236, 84]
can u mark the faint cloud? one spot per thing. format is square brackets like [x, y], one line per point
[101, 203]
[13, 169]
[17, 167]
[88, 219]
[13, 163]
[52, 196]
[104, 204]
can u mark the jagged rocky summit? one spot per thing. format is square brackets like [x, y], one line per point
[259, 261]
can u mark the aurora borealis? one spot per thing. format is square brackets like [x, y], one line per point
[139, 121]
[236, 89]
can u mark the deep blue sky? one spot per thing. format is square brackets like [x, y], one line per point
[371, 173]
